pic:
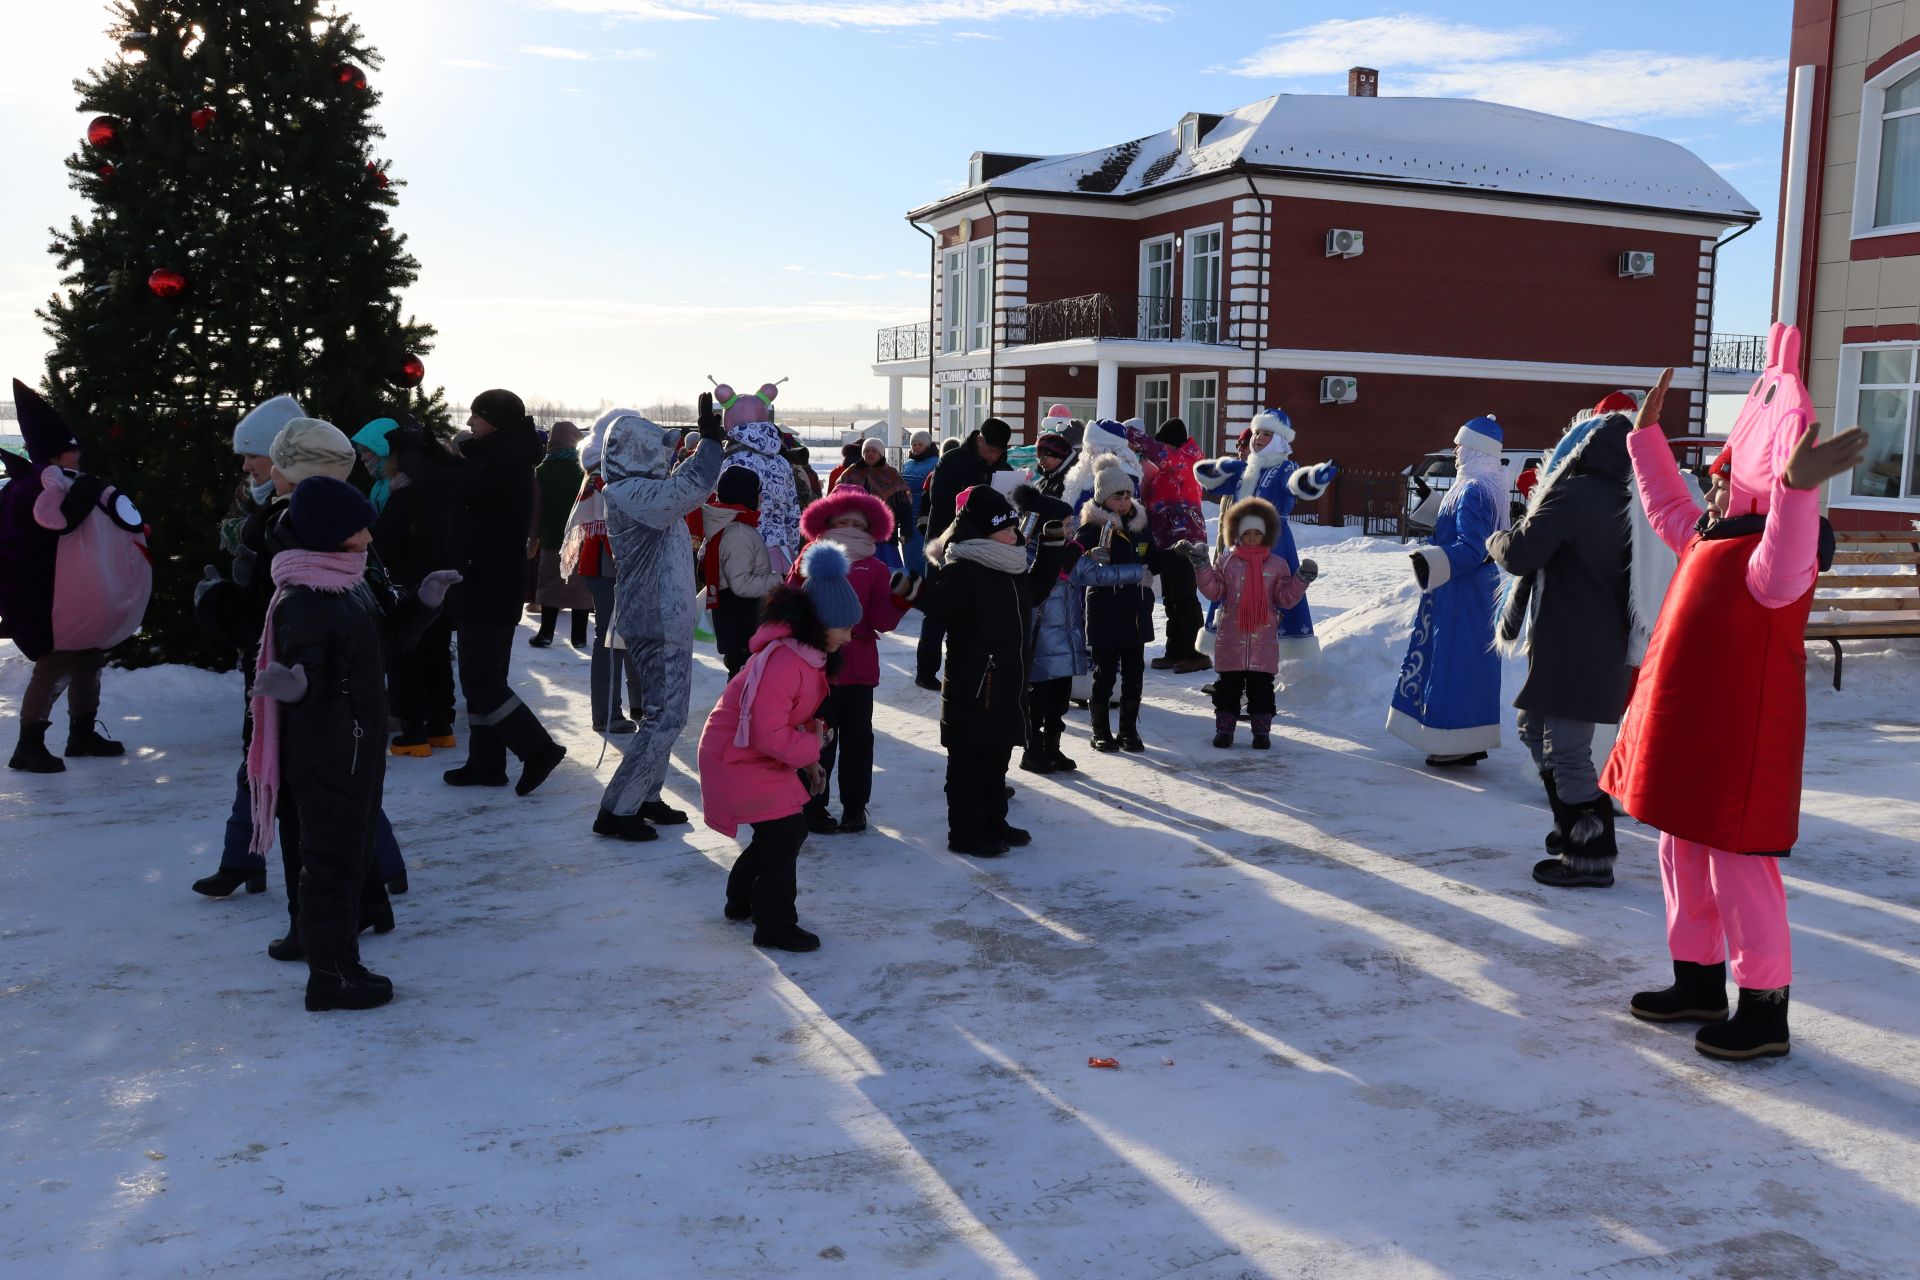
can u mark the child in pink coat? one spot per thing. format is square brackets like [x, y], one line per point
[1252, 586]
[859, 523]
[764, 738]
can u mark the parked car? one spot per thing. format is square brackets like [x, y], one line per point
[1429, 479]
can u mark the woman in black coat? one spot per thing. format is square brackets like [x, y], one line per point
[413, 537]
[985, 594]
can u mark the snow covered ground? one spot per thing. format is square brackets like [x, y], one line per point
[1355, 1039]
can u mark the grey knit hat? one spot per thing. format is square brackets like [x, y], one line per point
[308, 447]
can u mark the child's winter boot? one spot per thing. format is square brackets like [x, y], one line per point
[412, 743]
[32, 756]
[1102, 713]
[1698, 994]
[1757, 1029]
[1223, 726]
[1130, 726]
[1262, 732]
[1035, 758]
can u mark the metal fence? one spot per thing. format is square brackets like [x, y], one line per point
[1138, 317]
[905, 342]
[1737, 352]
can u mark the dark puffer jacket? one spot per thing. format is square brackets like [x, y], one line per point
[957, 472]
[1575, 542]
[490, 488]
[989, 620]
[414, 534]
[1118, 617]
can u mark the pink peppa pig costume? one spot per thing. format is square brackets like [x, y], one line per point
[1711, 747]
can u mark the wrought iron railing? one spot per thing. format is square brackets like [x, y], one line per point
[1139, 317]
[1737, 353]
[905, 342]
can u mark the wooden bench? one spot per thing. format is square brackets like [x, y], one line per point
[1894, 592]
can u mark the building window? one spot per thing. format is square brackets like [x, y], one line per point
[1189, 134]
[976, 170]
[980, 296]
[976, 405]
[1200, 408]
[1084, 410]
[1887, 392]
[1156, 289]
[951, 426]
[1155, 401]
[1201, 301]
[953, 300]
[1897, 184]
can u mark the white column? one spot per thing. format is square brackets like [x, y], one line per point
[894, 401]
[1786, 308]
[1106, 394]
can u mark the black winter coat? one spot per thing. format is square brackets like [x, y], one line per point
[414, 533]
[1576, 543]
[332, 741]
[989, 620]
[1118, 617]
[958, 471]
[490, 489]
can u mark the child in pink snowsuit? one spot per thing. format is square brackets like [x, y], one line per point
[1710, 750]
[1252, 586]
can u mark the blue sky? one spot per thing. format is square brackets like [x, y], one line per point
[612, 199]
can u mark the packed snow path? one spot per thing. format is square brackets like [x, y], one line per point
[1355, 1039]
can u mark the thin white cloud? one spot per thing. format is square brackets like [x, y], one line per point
[474, 64]
[872, 14]
[1734, 166]
[1662, 87]
[552, 51]
[974, 35]
[521, 315]
[1407, 39]
[856, 275]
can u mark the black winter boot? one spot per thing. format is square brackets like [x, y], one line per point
[1223, 727]
[289, 947]
[544, 637]
[1556, 838]
[1262, 732]
[1698, 994]
[784, 937]
[1103, 727]
[32, 756]
[819, 820]
[348, 987]
[486, 764]
[662, 814]
[1757, 1029]
[579, 636]
[1036, 760]
[630, 826]
[89, 741]
[853, 821]
[1061, 763]
[223, 882]
[1130, 725]
[1587, 860]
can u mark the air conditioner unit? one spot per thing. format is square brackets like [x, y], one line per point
[1346, 244]
[1635, 264]
[1339, 390]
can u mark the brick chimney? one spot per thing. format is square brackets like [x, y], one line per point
[1363, 82]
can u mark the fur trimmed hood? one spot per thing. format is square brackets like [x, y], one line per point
[1247, 509]
[819, 515]
[1095, 516]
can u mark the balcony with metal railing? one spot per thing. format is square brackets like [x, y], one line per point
[1737, 353]
[904, 342]
[1132, 317]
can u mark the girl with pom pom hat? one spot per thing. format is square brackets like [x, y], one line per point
[765, 736]
[1447, 700]
[858, 523]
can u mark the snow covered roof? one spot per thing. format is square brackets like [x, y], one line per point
[1454, 143]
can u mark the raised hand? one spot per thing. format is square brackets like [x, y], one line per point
[1813, 464]
[1324, 473]
[1307, 571]
[1649, 415]
[710, 420]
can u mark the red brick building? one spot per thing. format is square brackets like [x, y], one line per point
[1382, 268]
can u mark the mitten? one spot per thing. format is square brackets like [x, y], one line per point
[208, 581]
[434, 587]
[906, 586]
[1324, 473]
[1307, 572]
[1099, 555]
[1420, 571]
[711, 427]
[1053, 533]
[282, 684]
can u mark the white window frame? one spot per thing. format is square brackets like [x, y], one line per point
[1044, 403]
[979, 283]
[1211, 447]
[1148, 329]
[1140, 398]
[953, 300]
[976, 405]
[1846, 401]
[1866, 168]
[1189, 133]
[1186, 281]
[952, 412]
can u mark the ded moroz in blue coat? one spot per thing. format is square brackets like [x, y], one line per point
[1447, 700]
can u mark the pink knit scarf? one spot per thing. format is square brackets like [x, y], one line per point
[755, 669]
[318, 571]
[1255, 613]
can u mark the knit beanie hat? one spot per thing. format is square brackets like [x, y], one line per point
[45, 432]
[501, 408]
[308, 447]
[922, 438]
[739, 487]
[1172, 433]
[1054, 445]
[326, 512]
[983, 511]
[256, 431]
[562, 435]
[823, 565]
[996, 433]
[1109, 478]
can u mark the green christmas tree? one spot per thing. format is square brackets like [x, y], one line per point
[239, 247]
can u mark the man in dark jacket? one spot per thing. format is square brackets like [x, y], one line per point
[974, 462]
[490, 486]
[1569, 610]
[414, 537]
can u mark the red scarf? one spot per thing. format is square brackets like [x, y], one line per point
[710, 557]
[1255, 612]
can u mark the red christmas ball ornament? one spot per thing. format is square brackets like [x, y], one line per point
[202, 118]
[413, 371]
[117, 431]
[106, 172]
[350, 76]
[379, 174]
[165, 282]
[103, 133]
